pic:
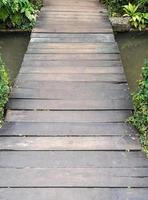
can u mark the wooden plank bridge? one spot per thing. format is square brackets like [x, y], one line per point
[65, 136]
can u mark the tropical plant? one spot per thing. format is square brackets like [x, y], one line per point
[138, 20]
[130, 9]
[140, 100]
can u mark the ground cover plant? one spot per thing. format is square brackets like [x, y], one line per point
[4, 88]
[140, 101]
[19, 14]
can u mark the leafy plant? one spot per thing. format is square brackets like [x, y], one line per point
[115, 7]
[138, 20]
[140, 100]
[16, 13]
[130, 9]
[4, 88]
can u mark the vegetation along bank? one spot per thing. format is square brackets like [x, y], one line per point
[128, 14]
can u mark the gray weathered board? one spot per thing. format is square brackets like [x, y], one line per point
[65, 135]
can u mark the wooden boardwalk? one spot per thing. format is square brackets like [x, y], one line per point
[64, 137]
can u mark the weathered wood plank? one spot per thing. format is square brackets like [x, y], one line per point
[72, 57]
[72, 159]
[69, 29]
[71, 86]
[72, 48]
[80, 177]
[81, 7]
[74, 10]
[125, 143]
[72, 45]
[82, 64]
[117, 78]
[46, 17]
[69, 3]
[67, 116]
[70, 70]
[66, 38]
[71, 24]
[102, 21]
[47, 2]
[26, 104]
[88, 5]
[73, 15]
[73, 193]
[71, 51]
[66, 129]
[77, 94]
[38, 93]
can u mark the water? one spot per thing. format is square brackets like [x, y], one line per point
[134, 49]
[12, 48]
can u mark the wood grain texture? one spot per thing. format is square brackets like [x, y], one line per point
[66, 129]
[72, 56]
[70, 177]
[90, 77]
[70, 143]
[72, 85]
[78, 38]
[68, 94]
[73, 193]
[65, 136]
[70, 70]
[75, 63]
[71, 28]
[67, 116]
[26, 104]
[47, 48]
[73, 159]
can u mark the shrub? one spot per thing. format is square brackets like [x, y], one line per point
[17, 13]
[116, 6]
[140, 101]
[4, 88]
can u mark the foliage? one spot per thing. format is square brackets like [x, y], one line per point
[17, 13]
[137, 10]
[37, 4]
[4, 88]
[130, 9]
[140, 100]
[116, 6]
[138, 20]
